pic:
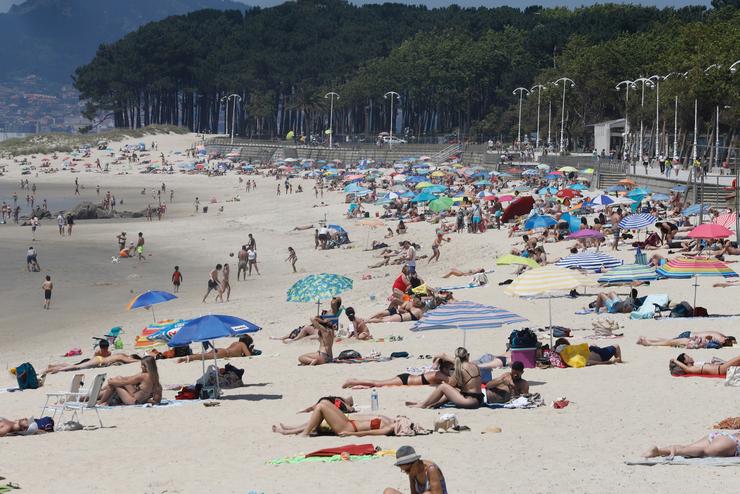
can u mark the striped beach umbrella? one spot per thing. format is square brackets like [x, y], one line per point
[466, 316]
[591, 261]
[694, 267]
[628, 273]
[546, 281]
[637, 221]
[602, 200]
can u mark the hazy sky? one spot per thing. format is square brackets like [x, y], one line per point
[5, 4]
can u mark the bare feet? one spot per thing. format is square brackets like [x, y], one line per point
[652, 452]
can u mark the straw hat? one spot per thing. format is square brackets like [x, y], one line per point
[406, 455]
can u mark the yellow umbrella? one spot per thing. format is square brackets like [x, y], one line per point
[437, 173]
[509, 259]
[568, 169]
[588, 170]
[422, 185]
[546, 280]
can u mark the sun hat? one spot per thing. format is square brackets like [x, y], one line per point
[406, 455]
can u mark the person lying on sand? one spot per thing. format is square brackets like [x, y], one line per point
[430, 378]
[303, 227]
[134, 390]
[20, 427]
[611, 354]
[243, 347]
[717, 444]
[507, 386]
[344, 404]
[412, 310]
[325, 330]
[691, 340]
[339, 424]
[612, 303]
[463, 389]
[684, 364]
[116, 359]
[457, 272]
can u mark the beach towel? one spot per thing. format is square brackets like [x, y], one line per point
[733, 377]
[732, 461]
[162, 404]
[362, 360]
[701, 375]
[331, 459]
[647, 309]
[351, 449]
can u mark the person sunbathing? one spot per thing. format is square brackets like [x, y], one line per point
[344, 404]
[463, 389]
[134, 390]
[429, 378]
[717, 444]
[612, 303]
[20, 427]
[243, 347]
[684, 364]
[98, 361]
[611, 354]
[339, 424]
[457, 272]
[310, 330]
[412, 310]
[691, 340]
[325, 330]
[507, 386]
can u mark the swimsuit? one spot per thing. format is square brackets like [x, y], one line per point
[605, 354]
[374, 424]
[730, 435]
[329, 359]
[405, 379]
[420, 489]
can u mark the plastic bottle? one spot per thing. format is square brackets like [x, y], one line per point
[374, 406]
[119, 343]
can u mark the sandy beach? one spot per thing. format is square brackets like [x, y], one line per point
[616, 411]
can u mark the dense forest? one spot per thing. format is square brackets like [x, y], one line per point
[454, 69]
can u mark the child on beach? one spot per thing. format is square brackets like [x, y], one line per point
[292, 258]
[47, 286]
[176, 279]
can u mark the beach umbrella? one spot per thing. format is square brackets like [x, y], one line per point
[509, 259]
[602, 200]
[585, 233]
[522, 188]
[568, 169]
[660, 197]
[627, 181]
[577, 187]
[695, 209]
[588, 171]
[727, 220]
[437, 174]
[710, 231]
[482, 182]
[318, 287]
[680, 188]
[640, 191]
[531, 172]
[150, 298]
[591, 261]
[637, 221]
[628, 273]
[569, 193]
[545, 281]
[466, 316]
[547, 190]
[505, 198]
[435, 189]
[543, 167]
[623, 200]
[441, 204]
[518, 207]
[424, 196]
[355, 188]
[423, 185]
[616, 188]
[694, 267]
[539, 221]
[205, 329]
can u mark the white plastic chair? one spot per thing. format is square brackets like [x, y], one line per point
[78, 407]
[61, 397]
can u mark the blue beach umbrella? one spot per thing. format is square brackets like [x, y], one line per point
[539, 221]
[424, 197]
[695, 209]
[149, 298]
[577, 187]
[591, 261]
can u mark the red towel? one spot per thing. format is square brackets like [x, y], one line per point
[702, 375]
[351, 449]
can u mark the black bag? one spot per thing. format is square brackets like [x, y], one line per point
[349, 355]
[523, 338]
[683, 309]
[400, 355]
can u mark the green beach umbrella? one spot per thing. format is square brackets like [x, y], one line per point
[318, 287]
[441, 204]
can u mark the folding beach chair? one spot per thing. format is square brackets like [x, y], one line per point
[59, 398]
[79, 407]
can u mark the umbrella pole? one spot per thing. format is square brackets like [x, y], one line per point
[203, 364]
[549, 307]
[696, 286]
[153, 316]
[215, 362]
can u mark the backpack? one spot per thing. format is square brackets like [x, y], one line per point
[26, 375]
[348, 355]
[683, 309]
[523, 338]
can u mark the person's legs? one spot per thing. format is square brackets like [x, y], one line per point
[676, 342]
[126, 396]
[309, 358]
[721, 446]
[390, 490]
[360, 384]
[453, 272]
[334, 417]
[303, 333]
[617, 354]
[207, 293]
[730, 363]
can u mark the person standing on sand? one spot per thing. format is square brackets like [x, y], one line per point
[34, 225]
[316, 239]
[47, 286]
[242, 263]
[212, 281]
[225, 285]
[149, 212]
[172, 195]
[278, 189]
[292, 258]
[77, 186]
[252, 261]
[60, 224]
[252, 243]
[176, 279]
[435, 246]
[140, 247]
[70, 224]
[197, 205]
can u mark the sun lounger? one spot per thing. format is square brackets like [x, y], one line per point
[61, 397]
[78, 407]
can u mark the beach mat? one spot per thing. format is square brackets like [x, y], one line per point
[732, 461]
[362, 360]
[351, 449]
[162, 404]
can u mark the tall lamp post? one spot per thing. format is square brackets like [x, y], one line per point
[393, 95]
[521, 92]
[226, 99]
[644, 82]
[733, 70]
[549, 124]
[656, 79]
[565, 82]
[627, 85]
[331, 95]
[539, 88]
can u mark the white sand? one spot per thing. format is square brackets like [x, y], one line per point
[616, 413]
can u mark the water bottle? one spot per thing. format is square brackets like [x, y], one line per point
[119, 343]
[374, 406]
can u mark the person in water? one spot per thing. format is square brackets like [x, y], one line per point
[425, 477]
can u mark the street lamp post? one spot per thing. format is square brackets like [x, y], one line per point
[549, 124]
[733, 70]
[226, 99]
[565, 82]
[627, 85]
[521, 92]
[657, 79]
[393, 95]
[539, 88]
[675, 130]
[644, 82]
[331, 95]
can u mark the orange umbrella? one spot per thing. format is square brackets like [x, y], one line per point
[627, 181]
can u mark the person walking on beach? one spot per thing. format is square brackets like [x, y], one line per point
[197, 205]
[70, 224]
[77, 186]
[252, 243]
[425, 477]
[252, 261]
[435, 246]
[278, 189]
[292, 258]
[172, 195]
[47, 286]
[225, 285]
[140, 247]
[242, 263]
[176, 279]
[34, 225]
[212, 281]
[60, 224]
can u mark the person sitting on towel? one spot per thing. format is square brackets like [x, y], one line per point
[507, 386]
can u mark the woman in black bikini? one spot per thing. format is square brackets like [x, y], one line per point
[412, 310]
[463, 389]
[431, 378]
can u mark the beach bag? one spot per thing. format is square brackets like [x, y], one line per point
[701, 312]
[733, 377]
[683, 309]
[405, 427]
[26, 376]
[45, 424]
[554, 358]
[349, 355]
[523, 338]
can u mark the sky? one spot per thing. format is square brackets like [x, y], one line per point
[5, 4]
